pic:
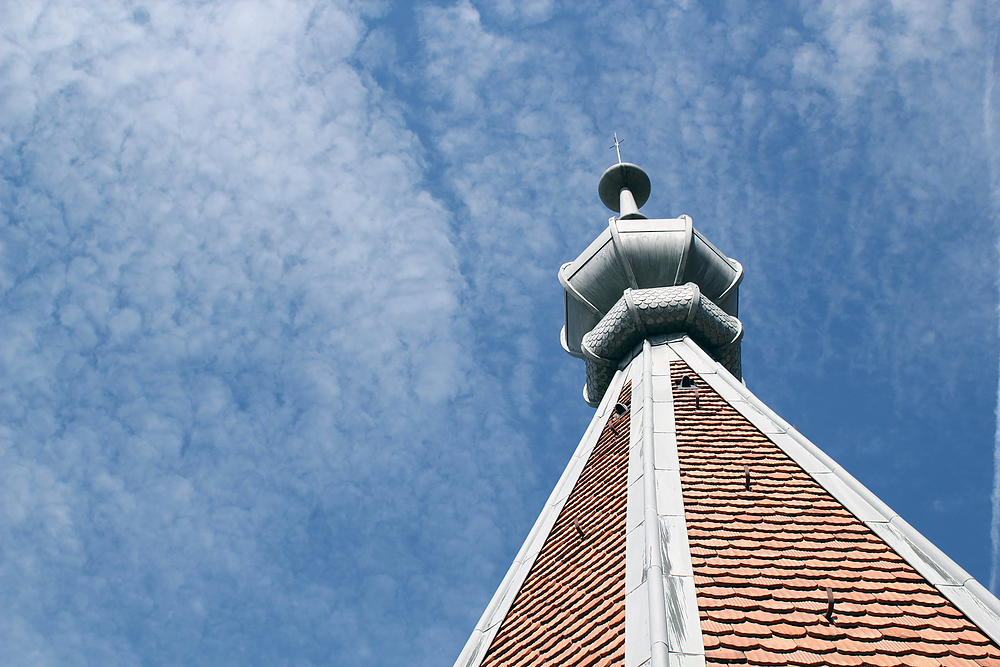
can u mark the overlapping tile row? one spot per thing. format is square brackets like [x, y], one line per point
[571, 607]
[764, 557]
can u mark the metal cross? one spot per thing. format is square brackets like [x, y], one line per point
[617, 148]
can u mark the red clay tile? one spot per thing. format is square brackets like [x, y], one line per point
[948, 661]
[914, 660]
[725, 656]
[803, 658]
[899, 633]
[776, 606]
[863, 634]
[779, 644]
[852, 647]
[968, 651]
[788, 631]
[764, 657]
[726, 615]
[712, 627]
[972, 637]
[800, 618]
[739, 643]
[928, 649]
[825, 630]
[766, 617]
[752, 630]
[882, 661]
[843, 660]
[934, 636]
[816, 645]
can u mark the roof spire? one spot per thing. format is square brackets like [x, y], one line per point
[624, 187]
[617, 147]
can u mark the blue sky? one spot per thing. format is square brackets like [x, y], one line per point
[280, 380]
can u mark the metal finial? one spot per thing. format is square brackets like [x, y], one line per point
[617, 148]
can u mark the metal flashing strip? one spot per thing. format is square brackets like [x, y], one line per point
[568, 286]
[616, 242]
[662, 625]
[482, 637]
[957, 585]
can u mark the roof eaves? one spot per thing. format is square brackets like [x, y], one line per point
[971, 597]
[482, 637]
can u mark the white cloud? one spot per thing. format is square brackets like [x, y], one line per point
[234, 345]
[280, 366]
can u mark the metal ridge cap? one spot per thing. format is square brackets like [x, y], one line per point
[736, 266]
[563, 340]
[737, 280]
[503, 598]
[922, 554]
[575, 293]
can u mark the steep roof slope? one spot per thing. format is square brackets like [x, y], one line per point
[771, 547]
[570, 609]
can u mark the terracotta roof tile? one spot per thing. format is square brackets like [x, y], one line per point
[969, 651]
[803, 658]
[570, 609]
[764, 657]
[842, 659]
[918, 661]
[882, 661]
[737, 642]
[750, 629]
[949, 661]
[728, 656]
[779, 644]
[816, 645]
[765, 557]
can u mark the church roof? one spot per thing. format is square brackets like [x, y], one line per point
[694, 526]
[765, 561]
[571, 607]
[785, 575]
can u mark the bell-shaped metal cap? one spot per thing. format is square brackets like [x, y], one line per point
[623, 175]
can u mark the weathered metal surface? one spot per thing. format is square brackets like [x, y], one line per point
[641, 254]
[662, 625]
[623, 175]
[641, 313]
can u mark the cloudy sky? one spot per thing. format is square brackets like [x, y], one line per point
[280, 379]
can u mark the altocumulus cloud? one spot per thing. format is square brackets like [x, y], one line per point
[835, 148]
[233, 348]
[279, 305]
